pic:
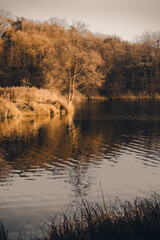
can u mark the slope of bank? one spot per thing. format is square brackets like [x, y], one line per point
[25, 101]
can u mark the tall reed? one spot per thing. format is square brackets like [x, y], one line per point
[139, 220]
[3, 233]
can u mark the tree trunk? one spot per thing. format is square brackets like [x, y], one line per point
[72, 84]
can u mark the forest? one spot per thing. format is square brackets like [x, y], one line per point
[70, 58]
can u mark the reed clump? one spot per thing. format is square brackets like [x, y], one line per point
[139, 220]
[3, 233]
[26, 101]
[8, 109]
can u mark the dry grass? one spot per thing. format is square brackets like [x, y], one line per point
[139, 220]
[8, 109]
[96, 99]
[157, 96]
[25, 101]
[139, 96]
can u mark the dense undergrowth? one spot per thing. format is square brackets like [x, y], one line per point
[137, 220]
[25, 101]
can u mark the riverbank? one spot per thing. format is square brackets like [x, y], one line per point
[128, 96]
[25, 101]
[31, 101]
[137, 220]
[136, 96]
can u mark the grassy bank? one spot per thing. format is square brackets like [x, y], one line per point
[136, 96]
[128, 96]
[25, 101]
[137, 220]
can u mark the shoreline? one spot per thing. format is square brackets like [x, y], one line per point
[31, 102]
[124, 97]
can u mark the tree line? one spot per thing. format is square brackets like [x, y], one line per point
[71, 58]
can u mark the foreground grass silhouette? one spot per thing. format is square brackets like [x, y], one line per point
[122, 221]
[3, 233]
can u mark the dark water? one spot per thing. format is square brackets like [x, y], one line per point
[46, 164]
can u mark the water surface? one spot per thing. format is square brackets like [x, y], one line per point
[46, 164]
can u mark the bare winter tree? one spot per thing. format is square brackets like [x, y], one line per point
[5, 21]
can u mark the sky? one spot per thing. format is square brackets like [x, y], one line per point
[123, 18]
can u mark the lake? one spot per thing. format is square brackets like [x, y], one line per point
[105, 148]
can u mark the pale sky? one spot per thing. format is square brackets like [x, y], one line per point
[124, 18]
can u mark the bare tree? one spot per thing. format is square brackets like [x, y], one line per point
[59, 22]
[5, 21]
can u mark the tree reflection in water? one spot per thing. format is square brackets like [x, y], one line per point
[74, 143]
